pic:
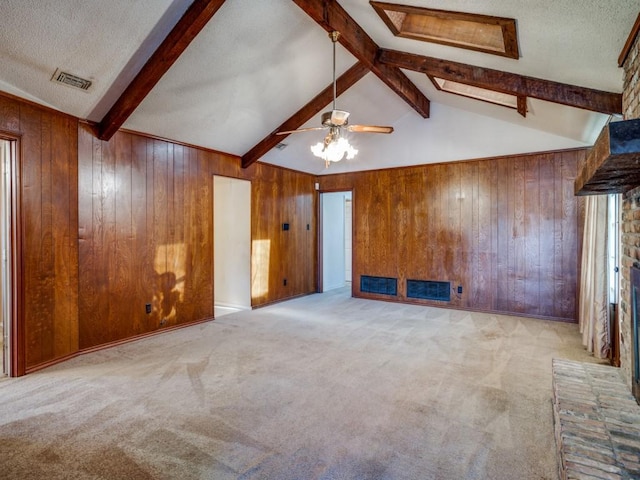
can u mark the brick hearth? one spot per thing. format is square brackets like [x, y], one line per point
[597, 422]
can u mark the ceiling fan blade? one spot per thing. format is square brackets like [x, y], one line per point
[310, 129]
[369, 129]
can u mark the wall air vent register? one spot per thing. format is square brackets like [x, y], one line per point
[429, 290]
[379, 285]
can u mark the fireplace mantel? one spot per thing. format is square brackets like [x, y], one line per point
[613, 164]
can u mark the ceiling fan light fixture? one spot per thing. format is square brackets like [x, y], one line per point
[334, 151]
[335, 147]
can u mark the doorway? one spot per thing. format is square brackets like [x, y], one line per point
[231, 245]
[336, 213]
[7, 159]
[614, 219]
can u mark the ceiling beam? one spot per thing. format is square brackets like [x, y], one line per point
[629, 43]
[571, 95]
[331, 16]
[612, 163]
[306, 113]
[176, 42]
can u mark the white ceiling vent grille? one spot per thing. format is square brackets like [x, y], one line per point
[71, 80]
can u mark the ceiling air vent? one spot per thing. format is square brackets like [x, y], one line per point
[71, 80]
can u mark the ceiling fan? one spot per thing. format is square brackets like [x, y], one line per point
[335, 146]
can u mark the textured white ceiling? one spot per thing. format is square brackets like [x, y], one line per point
[253, 65]
[105, 42]
[257, 62]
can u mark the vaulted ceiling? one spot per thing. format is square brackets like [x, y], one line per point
[252, 65]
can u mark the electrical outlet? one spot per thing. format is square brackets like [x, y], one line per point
[284, 282]
[459, 288]
[147, 308]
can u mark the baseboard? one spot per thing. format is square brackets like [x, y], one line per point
[436, 304]
[50, 363]
[273, 302]
[115, 343]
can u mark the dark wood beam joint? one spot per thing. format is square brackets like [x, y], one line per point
[330, 15]
[404, 88]
[522, 105]
[176, 42]
[511, 83]
[612, 165]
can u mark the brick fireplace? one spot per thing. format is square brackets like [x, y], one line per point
[597, 420]
[630, 214]
[635, 324]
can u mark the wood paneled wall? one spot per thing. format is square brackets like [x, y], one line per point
[107, 227]
[146, 226]
[282, 196]
[507, 229]
[48, 192]
[146, 233]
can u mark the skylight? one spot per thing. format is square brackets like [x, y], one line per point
[496, 35]
[492, 96]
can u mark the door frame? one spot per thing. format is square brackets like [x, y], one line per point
[213, 223]
[319, 269]
[614, 267]
[17, 359]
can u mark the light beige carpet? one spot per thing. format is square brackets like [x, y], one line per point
[322, 387]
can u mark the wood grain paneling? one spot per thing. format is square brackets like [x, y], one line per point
[48, 183]
[507, 229]
[146, 223]
[281, 196]
[107, 227]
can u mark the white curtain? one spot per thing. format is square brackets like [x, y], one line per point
[594, 302]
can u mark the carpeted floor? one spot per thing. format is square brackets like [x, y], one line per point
[322, 387]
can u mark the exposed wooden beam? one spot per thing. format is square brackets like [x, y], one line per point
[574, 96]
[343, 83]
[522, 105]
[331, 16]
[187, 28]
[612, 164]
[629, 43]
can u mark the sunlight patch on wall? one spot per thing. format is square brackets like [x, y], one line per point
[170, 267]
[260, 253]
